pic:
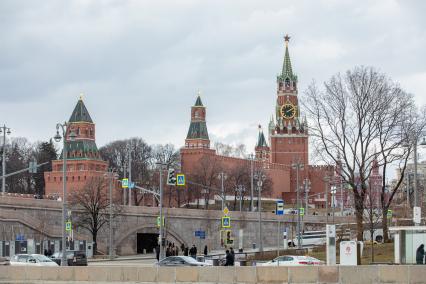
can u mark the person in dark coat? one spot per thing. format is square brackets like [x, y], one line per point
[420, 254]
[157, 252]
[193, 252]
[205, 250]
[229, 259]
[186, 251]
[45, 252]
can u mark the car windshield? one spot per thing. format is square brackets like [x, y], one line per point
[188, 259]
[41, 258]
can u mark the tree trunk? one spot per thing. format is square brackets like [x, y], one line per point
[95, 243]
[385, 225]
[359, 224]
[372, 244]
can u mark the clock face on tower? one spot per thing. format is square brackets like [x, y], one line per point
[288, 111]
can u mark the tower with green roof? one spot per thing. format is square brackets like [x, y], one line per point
[83, 159]
[288, 134]
[198, 136]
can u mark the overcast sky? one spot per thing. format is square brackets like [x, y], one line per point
[140, 64]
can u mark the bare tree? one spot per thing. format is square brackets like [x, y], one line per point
[206, 174]
[348, 119]
[94, 203]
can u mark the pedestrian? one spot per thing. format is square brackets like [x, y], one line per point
[420, 254]
[228, 259]
[157, 252]
[49, 252]
[193, 252]
[182, 248]
[186, 251]
[172, 249]
[45, 252]
[232, 252]
[205, 250]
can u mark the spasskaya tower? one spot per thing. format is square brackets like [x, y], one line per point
[288, 134]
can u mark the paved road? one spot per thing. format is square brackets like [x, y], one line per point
[139, 260]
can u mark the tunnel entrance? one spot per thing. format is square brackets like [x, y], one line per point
[146, 241]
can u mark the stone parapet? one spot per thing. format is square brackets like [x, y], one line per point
[301, 274]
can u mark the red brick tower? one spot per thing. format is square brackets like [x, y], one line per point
[262, 150]
[197, 142]
[83, 158]
[288, 134]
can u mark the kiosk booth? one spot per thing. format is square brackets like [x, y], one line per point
[406, 241]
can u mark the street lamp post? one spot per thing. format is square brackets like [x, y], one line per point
[111, 175]
[240, 189]
[5, 130]
[58, 137]
[326, 179]
[161, 165]
[307, 188]
[423, 143]
[251, 183]
[260, 178]
[298, 166]
[222, 176]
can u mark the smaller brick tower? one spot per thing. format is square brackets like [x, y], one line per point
[261, 149]
[83, 158]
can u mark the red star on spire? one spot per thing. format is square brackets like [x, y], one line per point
[287, 38]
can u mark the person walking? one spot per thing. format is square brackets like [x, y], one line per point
[157, 252]
[205, 250]
[420, 254]
[186, 251]
[229, 259]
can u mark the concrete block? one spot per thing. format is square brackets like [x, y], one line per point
[35, 273]
[245, 274]
[97, 273]
[166, 274]
[328, 274]
[147, 274]
[272, 274]
[114, 273]
[303, 274]
[65, 273]
[4, 272]
[187, 274]
[208, 274]
[395, 274]
[358, 274]
[226, 274]
[81, 273]
[417, 274]
[16, 273]
[130, 274]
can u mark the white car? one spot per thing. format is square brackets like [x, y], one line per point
[31, 260]
[180, 261]
[292, 260]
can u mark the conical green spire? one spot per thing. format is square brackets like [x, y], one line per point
[198, 101]
[261, 141]
[287, 71]
[80, 113]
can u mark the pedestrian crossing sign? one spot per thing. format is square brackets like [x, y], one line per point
[68, 226]
[226, 222]
[158, 221]
[125, 183]
[302, 211]
[180, 179]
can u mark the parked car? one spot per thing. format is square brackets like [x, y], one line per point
[180, 261]
[292, 260]
[75, 258]
[4, 261]
[31, 260]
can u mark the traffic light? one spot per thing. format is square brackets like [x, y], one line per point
[171, 178]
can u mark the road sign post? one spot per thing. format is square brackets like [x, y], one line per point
[279, 208]
[180, 179]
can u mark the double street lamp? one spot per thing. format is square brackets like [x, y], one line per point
[260, 177]
[111, 175]
[58, 137]
[240, 189]
[5, 130]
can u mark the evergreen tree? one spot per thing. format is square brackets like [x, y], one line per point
[46, 152]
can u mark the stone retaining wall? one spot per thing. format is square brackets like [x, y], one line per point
[311, 274]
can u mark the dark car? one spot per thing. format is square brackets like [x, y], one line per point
[180, 261]
[75, 258]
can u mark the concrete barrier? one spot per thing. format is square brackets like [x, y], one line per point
[247, 275]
